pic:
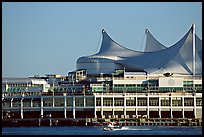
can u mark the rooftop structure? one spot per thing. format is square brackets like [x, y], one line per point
[184, 57]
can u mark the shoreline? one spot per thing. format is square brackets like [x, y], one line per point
[38, 122]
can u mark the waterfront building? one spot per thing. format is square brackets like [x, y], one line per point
[116, 82]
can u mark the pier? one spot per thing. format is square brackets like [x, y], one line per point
[101, 122]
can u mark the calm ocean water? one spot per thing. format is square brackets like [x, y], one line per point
[128, 130]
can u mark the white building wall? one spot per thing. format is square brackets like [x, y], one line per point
[128, 81]
[199, 112]
[170, 82]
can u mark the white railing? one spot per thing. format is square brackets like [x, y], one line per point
[149, 94]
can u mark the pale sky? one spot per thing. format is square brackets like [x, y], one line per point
[48, 38]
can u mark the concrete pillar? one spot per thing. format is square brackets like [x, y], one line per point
[171, 106]
[159, 107]
[183, 107]
[21, 108]
[53, 100]
[113, 106]
[43, 90]
[84, 100]
[148, 105]
[95, 116]
[125, 104]
[11, 102]
[65, 105]
[31, 102]
[2, 109]
[50, 121]
[194, 103]
[136, 106]
[102, 105]
[7, 88]
[73, 106]
[41, 108]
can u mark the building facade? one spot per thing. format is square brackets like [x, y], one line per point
[128, 97]
[116, 82]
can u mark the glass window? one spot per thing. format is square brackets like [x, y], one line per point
[59, 102]
[47, 102]
[176, 102]
[79, 101]
[198, 101]
[69, 101]
[98, 101]
[153, 101]
[107, 102]
[130, 102]
[89, 101]
[142, 101]
[188, 102]
[118, 102]
[165, 102]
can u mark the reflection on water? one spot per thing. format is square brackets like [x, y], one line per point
[126, 130]
[132, 128]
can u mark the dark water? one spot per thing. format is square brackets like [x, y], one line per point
[128, 130]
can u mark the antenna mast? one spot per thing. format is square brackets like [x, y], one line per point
[193, 49]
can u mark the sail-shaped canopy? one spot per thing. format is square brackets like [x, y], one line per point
[156, 58]
[152, 44]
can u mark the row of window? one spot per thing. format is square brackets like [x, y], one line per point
[68, 89]
[18, 104]
[141, 101]
[154, 84]
[21, 94]
[128, 88]
[128, 85]
[98, 89]
[23, 85]
[152, 102]
[49, 103]
[171, 89]
[154, 88]
[118, 87]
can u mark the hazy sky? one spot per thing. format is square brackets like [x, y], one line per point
[48, 38]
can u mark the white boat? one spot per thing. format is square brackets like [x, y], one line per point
[111, 127]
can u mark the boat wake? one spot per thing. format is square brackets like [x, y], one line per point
[127, 128]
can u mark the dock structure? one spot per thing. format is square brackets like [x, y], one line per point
[149, 106]
[187, 105]
[196, 122]
[55, 107]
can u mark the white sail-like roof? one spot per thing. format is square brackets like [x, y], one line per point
[156, 58]
[152, 44]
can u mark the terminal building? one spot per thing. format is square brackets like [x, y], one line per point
[116, 82]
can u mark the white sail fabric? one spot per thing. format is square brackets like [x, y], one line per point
[152, 44]
[198, 47]
[105, 60]
[156, 59]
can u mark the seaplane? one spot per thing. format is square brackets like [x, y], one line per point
[111, 126]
